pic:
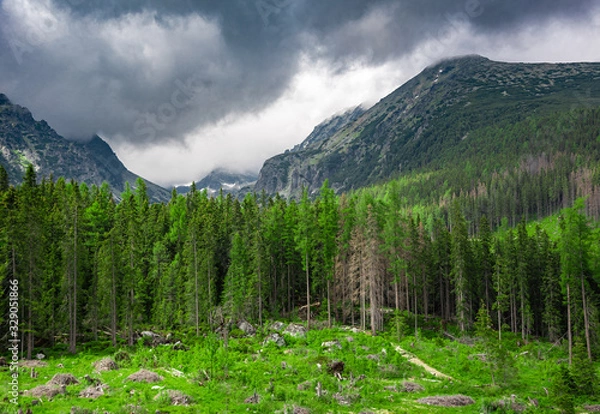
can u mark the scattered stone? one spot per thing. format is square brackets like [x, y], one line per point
[32, 363]
[144, 375]
[295, 330]
[175, 397]
[63, 379]
[350, 338]
[105, 364]
[288, 352]
[447, 400]
[343, 399]
[253, 399]
[153, 338]
[278, 326]
[592, 408]
[175, 372]
[178, 346]
[60, 366]
[392, 388]
[247, 328]
[306, 385]
[40, 356]
[373, 357]
[301, 410]
[408, 386]
[331, 344]
[93, 391]
[284, 365]
[48, 391]
[276, 339]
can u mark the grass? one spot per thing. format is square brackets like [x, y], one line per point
[219, 378]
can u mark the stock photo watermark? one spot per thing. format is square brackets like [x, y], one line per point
[183, 96]
[270, 8]
[13, 340]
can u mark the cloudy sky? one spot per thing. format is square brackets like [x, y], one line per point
[180, 87]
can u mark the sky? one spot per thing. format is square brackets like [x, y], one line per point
[181, 87]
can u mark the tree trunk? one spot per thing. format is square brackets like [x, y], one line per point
[569, 333]
[307, 292]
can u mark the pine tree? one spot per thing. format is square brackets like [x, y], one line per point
[328, 229]
[460, 259]
[304, 232]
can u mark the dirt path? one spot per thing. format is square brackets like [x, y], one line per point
[414, 360]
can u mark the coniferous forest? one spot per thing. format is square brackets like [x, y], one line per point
[513, 240]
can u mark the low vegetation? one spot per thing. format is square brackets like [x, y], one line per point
[337, 370]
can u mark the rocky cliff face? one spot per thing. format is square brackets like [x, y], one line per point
[417, 123]
[23, 140]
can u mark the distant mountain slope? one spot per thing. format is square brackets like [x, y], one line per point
[24, 140]
[421, 122]
[221, 178]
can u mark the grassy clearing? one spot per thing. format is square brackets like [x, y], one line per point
[220, 378]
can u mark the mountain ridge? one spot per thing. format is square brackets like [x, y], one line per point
[420, 121]
[24, 140]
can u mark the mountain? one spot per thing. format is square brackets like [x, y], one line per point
[229, 182]
[24, 140]
[423, 121]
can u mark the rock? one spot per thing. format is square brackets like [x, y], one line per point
[295, 330]
[301, 410]
[247, 328]
[330, 345]
[47, 391]
[175, 397]
[350, 338]
[32, 363]
[253, 399]
[63, 379]
[277, 326]
[178, 346]
[105, 364]
[343, 399]
[144, 376]
[154, 338]
[373, 357]
[447, 400]
[592, 408]
[408, 386]
[276, 339]
[40, 356]
[93, 391]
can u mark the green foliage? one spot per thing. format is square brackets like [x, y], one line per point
[563, 390]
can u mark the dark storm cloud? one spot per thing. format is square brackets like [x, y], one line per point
[149, 70]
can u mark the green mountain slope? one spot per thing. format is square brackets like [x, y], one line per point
[24, 140]
[421, 123]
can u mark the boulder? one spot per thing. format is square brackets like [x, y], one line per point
[247, 328]
[276, 339]
[295, 330]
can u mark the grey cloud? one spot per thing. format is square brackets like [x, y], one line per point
[150, 70]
